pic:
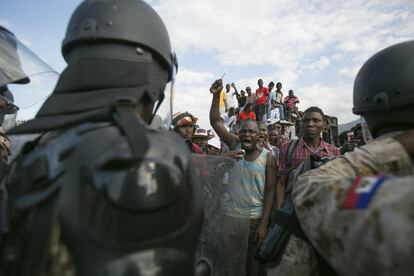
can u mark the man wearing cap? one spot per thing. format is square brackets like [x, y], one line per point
[200, 137]
[213, 146]
[184, 124]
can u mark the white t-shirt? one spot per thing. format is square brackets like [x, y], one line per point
[231, 99]
[228, 121]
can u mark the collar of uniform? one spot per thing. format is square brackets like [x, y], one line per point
[389, 134]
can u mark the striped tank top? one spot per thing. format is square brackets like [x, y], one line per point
[246, 188]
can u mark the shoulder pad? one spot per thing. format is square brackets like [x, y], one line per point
[149, 182]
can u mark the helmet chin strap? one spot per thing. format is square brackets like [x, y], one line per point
[172, 88]
[160, 100]
[366, 133]
[172, 92]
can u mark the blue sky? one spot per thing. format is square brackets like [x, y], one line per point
[314, 47]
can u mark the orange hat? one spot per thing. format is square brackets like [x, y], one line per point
[183, 119]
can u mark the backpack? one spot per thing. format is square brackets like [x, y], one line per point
[284, 221]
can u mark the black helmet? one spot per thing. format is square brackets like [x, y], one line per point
[131, 22]
[384, 89]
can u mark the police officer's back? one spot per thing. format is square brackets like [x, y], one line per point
[121, 196]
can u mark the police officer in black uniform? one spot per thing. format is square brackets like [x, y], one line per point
[121, 197]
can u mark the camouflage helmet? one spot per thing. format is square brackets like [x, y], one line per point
[131, 22]
[384, 88]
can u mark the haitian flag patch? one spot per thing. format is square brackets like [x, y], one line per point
[361, 191]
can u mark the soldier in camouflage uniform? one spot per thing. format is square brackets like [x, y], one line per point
[357, 210]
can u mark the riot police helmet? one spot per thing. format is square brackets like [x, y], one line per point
[121, 30]
[384, 89]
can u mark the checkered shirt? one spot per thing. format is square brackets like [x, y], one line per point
[300, 152]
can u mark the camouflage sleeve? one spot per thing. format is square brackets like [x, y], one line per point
[5, 145]
[357, 224]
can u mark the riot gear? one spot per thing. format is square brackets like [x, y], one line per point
[132, 23]
[223, 245]
[25, 81]
[12, 73]
[124, 196]
[122, 21]
[383, 89]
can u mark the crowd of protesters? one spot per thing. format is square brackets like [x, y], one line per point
[259, 129]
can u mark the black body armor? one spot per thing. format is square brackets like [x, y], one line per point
[120, 213]
[123, 197]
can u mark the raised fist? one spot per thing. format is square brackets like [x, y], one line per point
[216, 87]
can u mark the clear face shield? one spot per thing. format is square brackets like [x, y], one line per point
[25, 80]
[167, 109]
[172, 88]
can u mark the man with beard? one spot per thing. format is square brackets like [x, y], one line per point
[253, 197]
[295, 260]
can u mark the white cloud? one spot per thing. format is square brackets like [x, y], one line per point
[317, 65]
[349, 72]
[188, 77]
[5, 23]
[191, 94]
[292, 38]
[334, 101]
[283, 32]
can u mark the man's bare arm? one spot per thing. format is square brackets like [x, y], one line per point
[280, 192]
[215, 120]
[268, 196]
[235, 89]
[271, 168]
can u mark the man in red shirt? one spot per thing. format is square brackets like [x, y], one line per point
[290, 101]
[261, 100]
[310, 143]
[247, 113]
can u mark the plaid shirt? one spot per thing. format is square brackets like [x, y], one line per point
[300, 152]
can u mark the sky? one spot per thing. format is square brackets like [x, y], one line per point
[313, 47]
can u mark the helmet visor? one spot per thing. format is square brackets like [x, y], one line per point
[26, 76]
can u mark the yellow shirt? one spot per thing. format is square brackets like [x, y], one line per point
[223, 97]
